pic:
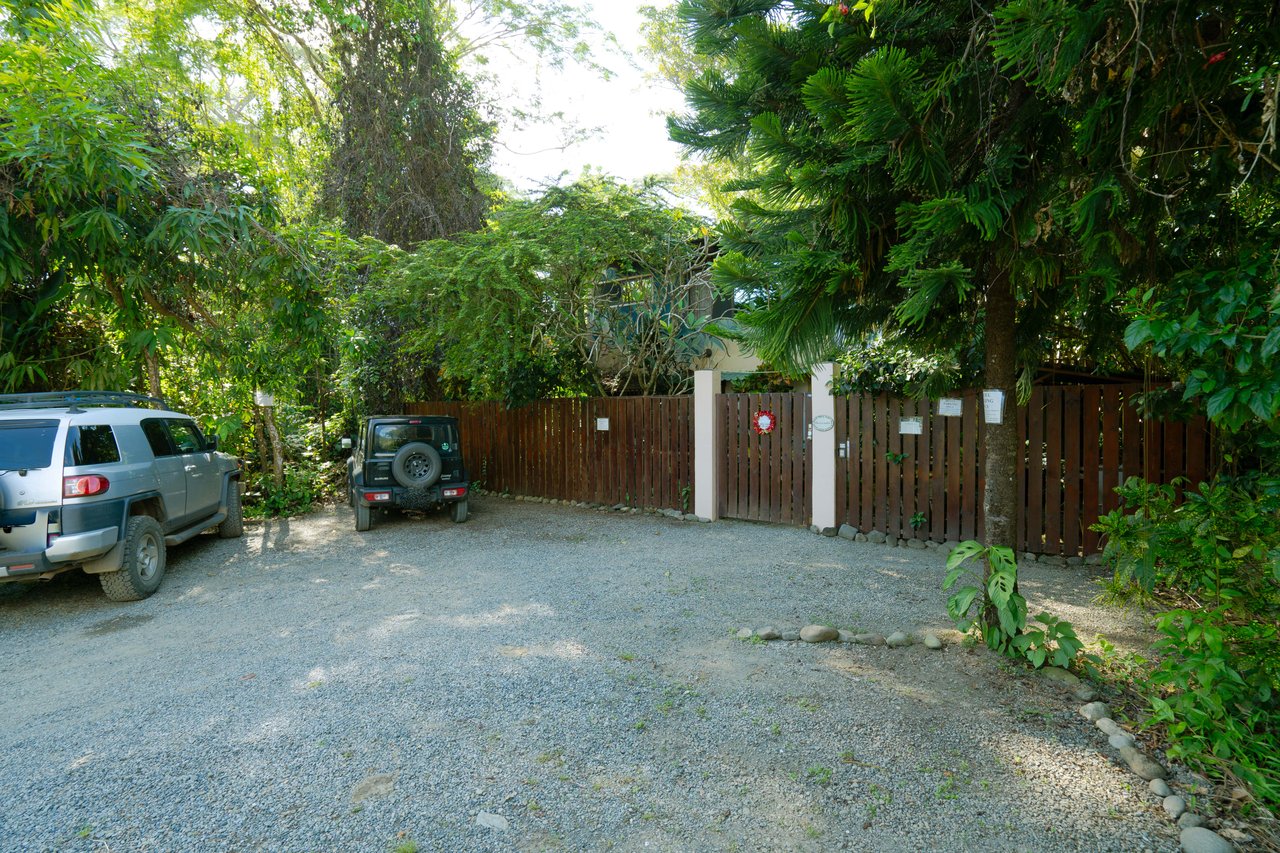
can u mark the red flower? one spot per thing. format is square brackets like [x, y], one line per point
[844, 10]
[1217, 57]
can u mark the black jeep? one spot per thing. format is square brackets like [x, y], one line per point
[406, 462]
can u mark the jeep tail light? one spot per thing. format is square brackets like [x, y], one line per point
[454, 493]
[84, 485]
[375, 497]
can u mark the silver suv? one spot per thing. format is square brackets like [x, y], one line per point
[100, 481]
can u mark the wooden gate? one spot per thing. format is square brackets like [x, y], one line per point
[764, 477]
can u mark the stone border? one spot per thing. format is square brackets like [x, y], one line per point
[875, 537]
[1195, 836]
[827, 634]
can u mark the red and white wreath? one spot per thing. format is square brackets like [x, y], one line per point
[763, 422]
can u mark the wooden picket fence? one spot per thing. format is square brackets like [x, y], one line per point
[1077, 444]
[553, 448]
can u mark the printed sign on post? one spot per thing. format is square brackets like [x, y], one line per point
[993, 406]
[951, 407]
[823, 423]
[911, 426]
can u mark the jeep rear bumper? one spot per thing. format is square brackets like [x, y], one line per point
[399, 496]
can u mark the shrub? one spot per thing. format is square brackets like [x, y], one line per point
[999, 613]
[1212, 559]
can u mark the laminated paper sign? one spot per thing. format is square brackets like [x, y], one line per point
[911, 426]
[993, 406]
[951, 407]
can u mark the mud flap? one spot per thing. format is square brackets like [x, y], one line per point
[108, 562]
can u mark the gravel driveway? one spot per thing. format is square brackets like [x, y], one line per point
[567, 676]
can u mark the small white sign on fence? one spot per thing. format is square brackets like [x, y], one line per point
[951, 407]
[911, 426]
[602, 424]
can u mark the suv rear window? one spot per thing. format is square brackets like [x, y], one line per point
[91, 445]
[27, 444]
[388, 438]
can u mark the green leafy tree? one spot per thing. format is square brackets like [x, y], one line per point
[590, 288]
[117, 211]
[1173, 118]
[409, 145]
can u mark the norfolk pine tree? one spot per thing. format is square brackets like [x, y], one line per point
[905, 183]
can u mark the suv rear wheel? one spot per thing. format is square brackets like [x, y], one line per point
[364, 517]
[459, 511]
[144, 562]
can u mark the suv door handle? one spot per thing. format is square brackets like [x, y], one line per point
[189, 467]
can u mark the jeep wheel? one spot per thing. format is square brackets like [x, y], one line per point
[232, 527]
[144, 562]
[364, 517]
[416, 465]
[459, 511]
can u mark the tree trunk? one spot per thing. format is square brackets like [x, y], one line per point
[152, 362]
[277, 448]
[1000, 495]
[260, 436]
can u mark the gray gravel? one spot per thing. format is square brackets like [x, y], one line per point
[541, 678]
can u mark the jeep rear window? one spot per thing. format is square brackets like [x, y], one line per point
[26, 444]
[91, 445]
[388, 438]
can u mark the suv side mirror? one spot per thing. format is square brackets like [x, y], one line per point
[211, 443]
[345, 443]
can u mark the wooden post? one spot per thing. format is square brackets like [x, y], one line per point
[822, 475]
[706, 446]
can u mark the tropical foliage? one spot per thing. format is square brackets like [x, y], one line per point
[591, 288]
[179, 180]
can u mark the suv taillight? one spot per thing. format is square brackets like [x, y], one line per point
[454, 493]
[84, 485]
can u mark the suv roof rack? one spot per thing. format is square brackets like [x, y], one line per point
[63, 399]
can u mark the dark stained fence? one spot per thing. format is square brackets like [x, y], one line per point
[553, 449]
[1077, 444]
[764, 477]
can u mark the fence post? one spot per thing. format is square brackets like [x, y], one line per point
[823, 476]
[706, 445]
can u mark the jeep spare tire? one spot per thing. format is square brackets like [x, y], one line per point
[416, 465]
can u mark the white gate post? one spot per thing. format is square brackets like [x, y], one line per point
[822, 476]
[706, 445]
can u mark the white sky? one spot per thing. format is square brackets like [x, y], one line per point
[630, 108]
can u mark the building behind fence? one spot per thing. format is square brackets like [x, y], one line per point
[1077, 444]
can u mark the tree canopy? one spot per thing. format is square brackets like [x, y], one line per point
[590, 288]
